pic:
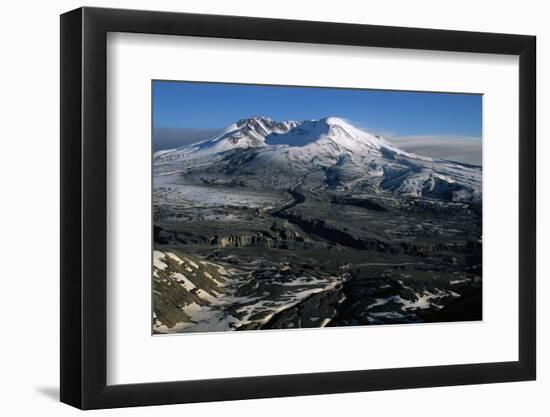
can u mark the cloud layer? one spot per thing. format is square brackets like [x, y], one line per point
[168, 138]
[454, 148]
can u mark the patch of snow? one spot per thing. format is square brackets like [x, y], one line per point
[174, 257]
[193, 264]
[185, 283]
[157, 260]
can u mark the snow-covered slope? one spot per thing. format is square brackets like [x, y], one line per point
[262, 153]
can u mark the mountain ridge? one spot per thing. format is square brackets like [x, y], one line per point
[266, 130]
[327, 152]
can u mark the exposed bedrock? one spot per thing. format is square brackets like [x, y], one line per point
[258, 240]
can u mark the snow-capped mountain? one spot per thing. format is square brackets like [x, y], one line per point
[329, 153]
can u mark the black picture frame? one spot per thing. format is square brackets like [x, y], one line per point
[84, 207]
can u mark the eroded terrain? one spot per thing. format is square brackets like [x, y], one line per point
[314, 260]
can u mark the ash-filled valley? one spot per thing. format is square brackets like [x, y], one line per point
[284, 225]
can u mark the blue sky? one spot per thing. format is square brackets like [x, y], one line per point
[212, 105]
[185, 112]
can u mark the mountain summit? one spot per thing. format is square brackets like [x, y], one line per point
[259, 131]
[327, 153]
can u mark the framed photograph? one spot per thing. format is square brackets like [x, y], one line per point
[258, 208]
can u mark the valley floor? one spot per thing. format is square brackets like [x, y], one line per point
[304, 259]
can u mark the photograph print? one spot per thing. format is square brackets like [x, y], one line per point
[293, 207]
